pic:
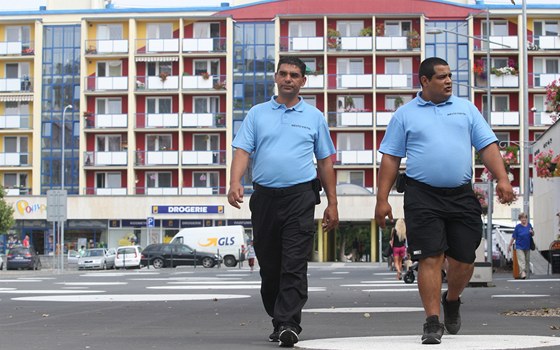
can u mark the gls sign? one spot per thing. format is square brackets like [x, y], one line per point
[215, 241]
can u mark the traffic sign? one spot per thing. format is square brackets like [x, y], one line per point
[150, 221]
[56, 205]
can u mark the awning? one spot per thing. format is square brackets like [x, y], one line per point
[157, 59]
[16, 98]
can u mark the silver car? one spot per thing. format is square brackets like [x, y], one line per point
[97, 258]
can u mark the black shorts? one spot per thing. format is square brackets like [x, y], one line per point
[442, 221]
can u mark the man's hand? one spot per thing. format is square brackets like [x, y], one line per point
[505, 192]
[235, 195]
[383, 209]
[330, 218]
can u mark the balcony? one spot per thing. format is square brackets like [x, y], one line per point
[204, 82]
[351, 81]
[301, 43]
[17, 191]
[359, 43]
[106, 47]
[157, 46]
[157, 120]
[505, 80]
[203, 157]
[504, 118]
[543, 79]
[364, 157]
[500, 42]
[549, 42]
[158, 191]
[154, 158]
[115, 191]
[21, 121]
[391, 43]
[204, 45]
[98, 158]
[95, 83]
[543, 119]
[15, 159]
[383, 118]
[314, 81]
[23, 84]
[203, 120]
[106, 121]
[351, 119]
[203, 191]
[16, 48]
[394, 81]
[166, 82]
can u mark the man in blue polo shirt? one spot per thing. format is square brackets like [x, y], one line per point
[282, 136]
[436, 132]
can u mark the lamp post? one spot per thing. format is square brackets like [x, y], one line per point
[63, 125]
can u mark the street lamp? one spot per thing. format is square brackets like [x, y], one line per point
[63, 125]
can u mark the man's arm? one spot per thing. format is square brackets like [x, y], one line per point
[385, 179]
[238, 166]
[492, 159]
[328, 179]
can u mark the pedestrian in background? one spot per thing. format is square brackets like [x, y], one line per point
[521, 236]
[398, 243]
[436, 132]
[250, 254]
[282, 136]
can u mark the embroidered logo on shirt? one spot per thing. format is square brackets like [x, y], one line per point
[456, 113]
[301, 126]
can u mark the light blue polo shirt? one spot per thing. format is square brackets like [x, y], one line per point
[283, 141]
[437, 139]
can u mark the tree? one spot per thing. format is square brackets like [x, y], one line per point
[6, 213]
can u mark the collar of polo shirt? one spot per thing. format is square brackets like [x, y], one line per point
[298, 107]
[422, 102]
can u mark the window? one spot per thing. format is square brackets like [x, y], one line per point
[310, 63]
[158, 179]
[546, 28]
[497, 28]
[12, 180]
[156, 68]
[17, 144]
[204, 142]
[108, 105]
[19, 34]
[206, 179]
[17, 108]
[350, 103]
[206, 104]
[108, 180]
[203, 30]
[349, 28]
[108, 143]
[159, 31]
[301, 29]
[311, 99]
[206, 66]
[398, 65]
[355, 177]
[158, 105]
[545, 70]
[503, 138]
[158, 142]
[393, 102]
[17, 70]
[350, 141]
[349, 66]
[540, 103]
[109, 69]
[109, 32]
[397, 28]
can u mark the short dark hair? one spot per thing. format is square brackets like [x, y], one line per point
[427, 67]
[293, 61]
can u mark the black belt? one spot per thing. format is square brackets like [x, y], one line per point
[444, 191]
[284, 191]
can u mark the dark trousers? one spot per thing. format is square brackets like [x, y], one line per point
[283, 230]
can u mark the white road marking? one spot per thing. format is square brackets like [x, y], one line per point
[185, 279]
[362, 310]
[531, 280]
[132, 297]
[381, 284]
[21, 281]
[207, 287]
[331, 278]
[520, 296]
[235, 275]
[216, 282]
[412, 342]
[340, 272]
[118, 274]
[93, 283]
[49, 291]
[391, 290]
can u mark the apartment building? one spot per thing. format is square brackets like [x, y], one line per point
[134, 110]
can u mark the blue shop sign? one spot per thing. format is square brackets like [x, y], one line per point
[187, 209]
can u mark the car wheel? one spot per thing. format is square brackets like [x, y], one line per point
[230, 261]
[207, 262]
[158, 263]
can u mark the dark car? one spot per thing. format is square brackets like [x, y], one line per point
[173, 255]
[22, 258]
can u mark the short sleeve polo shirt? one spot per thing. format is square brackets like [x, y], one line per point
[437, 140]
[282, 142]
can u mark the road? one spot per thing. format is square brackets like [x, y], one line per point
[351, 306]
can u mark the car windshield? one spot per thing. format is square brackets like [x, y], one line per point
[19, 251]
[94, 253]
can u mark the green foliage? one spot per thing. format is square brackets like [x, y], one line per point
[6, 213]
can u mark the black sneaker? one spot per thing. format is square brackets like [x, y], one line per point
[287, 337]
[433, 330]
[451, 315]
[273, 337]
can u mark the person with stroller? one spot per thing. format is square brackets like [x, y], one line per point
[398, 243]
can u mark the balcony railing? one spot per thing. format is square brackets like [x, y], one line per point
[157, 191]
[104, 47]
[504, 118]
[15, 159]
[350, 81]
[350, 119]
[314, 81]
[204, 44]
[200, 82]
[391, 43]
[396, 81]
[501, 42]
[546, 42]
[203, 120]
[157, 45]
[23, 84]
[170, 82]
[354, 157]
[16, 48]
[106, 121]
[294, 43]
[115, 191]
[150, 158]
[21, 121]
[18, 191]
[98, 158]
[541, 80]
[542, 119]
[203, 191]
[157, 120]
[383, 118]
[355, 43]
[95, 83]
[217, 157]
[505, 80]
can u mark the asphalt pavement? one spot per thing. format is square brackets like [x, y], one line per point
[351, 306]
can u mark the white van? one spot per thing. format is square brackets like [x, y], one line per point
[227, 241]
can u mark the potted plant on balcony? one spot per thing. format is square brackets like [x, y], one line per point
[220, 85]
[553, 99]
[163, 76]
[398, 102]
[380, 29]
[333, 37]
[546, 164]
[413, 39]
[367, 31]
[205, 75]
[89, 118]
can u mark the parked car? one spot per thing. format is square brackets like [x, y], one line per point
[73, 256]
[174, 254]
[97, 258]
[23, 258]
[128, 256]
